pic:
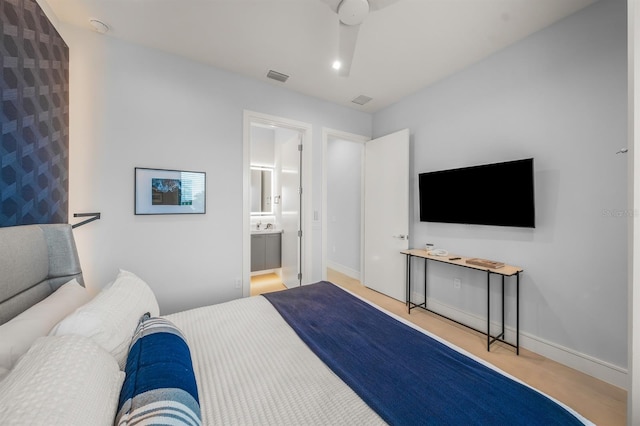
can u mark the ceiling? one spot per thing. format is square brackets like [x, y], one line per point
[400, 49]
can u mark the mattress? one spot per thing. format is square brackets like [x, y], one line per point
[252, 368]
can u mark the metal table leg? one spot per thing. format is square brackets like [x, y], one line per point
[408, 274]
[503, 336]
[426, 261]
[518, 313]
[488, 311]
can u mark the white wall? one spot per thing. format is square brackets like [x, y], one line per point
[132, 106]
[263, 146]
[344, 173]
[559, 96]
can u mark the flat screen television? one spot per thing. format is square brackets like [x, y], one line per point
[500, 194]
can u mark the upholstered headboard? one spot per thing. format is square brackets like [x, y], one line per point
[34, 261]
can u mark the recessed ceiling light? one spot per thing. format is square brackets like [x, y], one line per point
[99, 26]
[336, 65]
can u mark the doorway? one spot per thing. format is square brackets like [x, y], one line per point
[276, 241]
[384, 208]
[343, 214]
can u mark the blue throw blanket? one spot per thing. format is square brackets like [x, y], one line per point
[407, 377]
[160, 385]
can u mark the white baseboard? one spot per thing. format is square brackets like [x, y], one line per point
[587, 364]
[352, 273]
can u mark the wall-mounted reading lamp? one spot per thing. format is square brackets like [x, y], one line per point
[91, 216]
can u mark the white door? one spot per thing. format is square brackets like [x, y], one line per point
[291, 212]
[386, 213]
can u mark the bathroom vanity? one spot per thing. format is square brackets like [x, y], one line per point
[266, 249]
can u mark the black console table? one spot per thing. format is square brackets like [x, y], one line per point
[504, 271]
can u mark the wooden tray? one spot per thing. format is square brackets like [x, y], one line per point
[485, 263]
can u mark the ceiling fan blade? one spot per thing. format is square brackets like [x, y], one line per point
[379, 4]
[347, 38]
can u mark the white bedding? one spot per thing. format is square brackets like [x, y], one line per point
[252, 368]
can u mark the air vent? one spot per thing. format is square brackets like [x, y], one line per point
[361, 100]
[278, 76]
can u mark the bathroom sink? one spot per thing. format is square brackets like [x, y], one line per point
[266, 231]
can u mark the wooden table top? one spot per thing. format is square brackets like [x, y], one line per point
[507, 270]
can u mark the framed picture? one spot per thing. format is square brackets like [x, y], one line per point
[161, 191]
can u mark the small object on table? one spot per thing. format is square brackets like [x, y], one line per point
[485, 263]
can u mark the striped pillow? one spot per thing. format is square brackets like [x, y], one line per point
[160, 385]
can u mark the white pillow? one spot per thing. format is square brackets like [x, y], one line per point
[17, 335]
[68, 380]
[111, 317]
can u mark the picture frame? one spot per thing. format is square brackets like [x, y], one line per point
[165, 191]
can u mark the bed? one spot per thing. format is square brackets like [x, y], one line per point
[314, 355]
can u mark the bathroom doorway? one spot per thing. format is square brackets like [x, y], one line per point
[275, 238]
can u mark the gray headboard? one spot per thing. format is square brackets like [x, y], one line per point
[34, 261]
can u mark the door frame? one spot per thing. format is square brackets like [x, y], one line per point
[351, 137]
[305, 130]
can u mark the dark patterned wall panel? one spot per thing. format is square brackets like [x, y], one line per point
[34, 90]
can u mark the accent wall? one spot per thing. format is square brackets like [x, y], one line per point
[34, 87]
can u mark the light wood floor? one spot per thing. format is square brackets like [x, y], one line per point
[600, 402]
[266, 283]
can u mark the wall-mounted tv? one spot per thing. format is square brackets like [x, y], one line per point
[500, 194]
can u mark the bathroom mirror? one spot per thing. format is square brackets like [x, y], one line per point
[261, 190]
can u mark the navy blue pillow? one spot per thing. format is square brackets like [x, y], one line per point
[160, 385]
